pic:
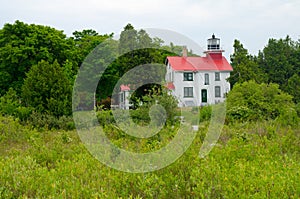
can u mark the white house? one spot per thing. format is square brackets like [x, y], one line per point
[197, 81]
[124, 96]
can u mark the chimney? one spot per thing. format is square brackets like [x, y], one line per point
[184, 51]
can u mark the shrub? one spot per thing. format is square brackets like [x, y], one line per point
[159, 96]
[298, 109]
[105, 117]
[140, 115]
[288, 116]
[46, 121]
[9, 102]
[205, 113]
[10, 105]
[252, 101]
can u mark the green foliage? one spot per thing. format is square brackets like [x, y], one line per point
[205, 113]
[9, 102]
[252, 101]
[298, 109]
[85, 41]
[140, 115]
[70, 72]
[293, 87]
[23, 45]
[47, 89]
[280, 61]
[276, 63]
[158, 96]
[105, 117]
[249, 161]
[11, 131]
[134, 48]
[44, 121]
[257, 155]
[10, 105]
[245, 66]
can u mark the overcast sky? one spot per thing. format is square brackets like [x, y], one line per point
[252, 22]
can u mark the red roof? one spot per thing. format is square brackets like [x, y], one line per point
[124, 87]
[170, 86]
[212, 62]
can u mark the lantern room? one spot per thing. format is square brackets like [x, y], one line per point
[213, 43]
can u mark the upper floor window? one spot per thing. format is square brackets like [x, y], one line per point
[187, 76]
[217, 76]
[206, 79]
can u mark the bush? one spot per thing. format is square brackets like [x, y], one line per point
[289, 117]
[140, 115]
[105, 117]
[46, 121]
[10, 105]
[9, 102]
[158, 96]
[10, 129]
[251, 101]
[205, 113]
[298, 109]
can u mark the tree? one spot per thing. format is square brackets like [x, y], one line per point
[47, 89]
[128, 39]
[278, 61]
[245, 66]
[134, 49]
[86, 41]
[23, 45]
[293, 87]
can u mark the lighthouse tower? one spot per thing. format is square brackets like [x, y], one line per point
[213, 47]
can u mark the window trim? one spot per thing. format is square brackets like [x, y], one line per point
[186, 90]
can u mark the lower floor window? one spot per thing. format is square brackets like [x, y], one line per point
[217, 91]
[188, 91]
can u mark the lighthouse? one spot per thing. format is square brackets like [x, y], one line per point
[213, 48]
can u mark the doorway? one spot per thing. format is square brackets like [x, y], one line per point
[204, 96]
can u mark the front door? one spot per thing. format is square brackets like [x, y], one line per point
[204, 96]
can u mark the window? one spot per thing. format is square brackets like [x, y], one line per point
[188, 91]
[206, 79]
[187, 76]
[122, 97]
[217, 76]
[217, 91]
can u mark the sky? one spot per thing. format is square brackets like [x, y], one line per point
[251, 22]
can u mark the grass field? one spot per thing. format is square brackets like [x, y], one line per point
[250, 160]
